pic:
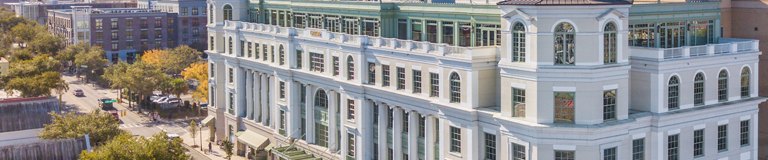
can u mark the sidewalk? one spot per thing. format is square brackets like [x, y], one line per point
[216, 154]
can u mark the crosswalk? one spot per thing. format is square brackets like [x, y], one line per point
[124, 126]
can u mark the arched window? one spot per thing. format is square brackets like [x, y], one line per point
[673, 93]
[229, 46]
[455, 88]
[745, 82]
[698, 89]
[282, 54]
[518, 42]
[227, 12]
[350, 68]
[210, 14]
[609, 44]
[722, 86]
[321, 118]
[565, 44]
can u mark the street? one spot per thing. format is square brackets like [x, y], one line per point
[136, 124]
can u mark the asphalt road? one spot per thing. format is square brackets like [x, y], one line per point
[136, 124]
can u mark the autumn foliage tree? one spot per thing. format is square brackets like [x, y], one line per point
[198, 71]
[171, 61]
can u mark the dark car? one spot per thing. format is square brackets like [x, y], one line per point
[78, 93]
[106, 104]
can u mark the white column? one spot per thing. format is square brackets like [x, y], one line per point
[365, 126]
[310, 113]
[413, 134]
[248, 94]
[294, 110]
[382, 132]
[271, 107]
[473, 135]
[240, 93]
[257, 96]
[264, 105]
[397, 132]
[332, 103]
[429, 136]
[441, 137]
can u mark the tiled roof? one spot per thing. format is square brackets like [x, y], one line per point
[564, 2]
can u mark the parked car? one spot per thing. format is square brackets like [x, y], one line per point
[203, 105]
[78, 93]
[161, 99]
[106, 104]
[172, 100]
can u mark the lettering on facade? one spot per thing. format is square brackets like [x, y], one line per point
[316, 33]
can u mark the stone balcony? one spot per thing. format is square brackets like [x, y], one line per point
[727, 46]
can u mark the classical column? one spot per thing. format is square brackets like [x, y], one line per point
[310, 113]
[257, 96]
[441, 137]
[294, 110]
[332, 128]
[263, 94]
[382, 132]
[365, 126]
[270, 121]
[397, 132]
[240, 97]
[248, 94]
[429, 137]
[413, 134]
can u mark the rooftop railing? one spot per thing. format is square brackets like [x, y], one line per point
[726, 46]
[393, 44]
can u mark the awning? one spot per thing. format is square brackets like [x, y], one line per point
[207, 120]
[291, 153]
[252, 139]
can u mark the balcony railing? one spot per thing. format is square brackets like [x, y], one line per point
[408, 46]
[727, 46]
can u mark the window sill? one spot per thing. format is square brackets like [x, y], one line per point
[455, 154]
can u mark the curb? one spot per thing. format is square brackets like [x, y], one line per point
[198, 151]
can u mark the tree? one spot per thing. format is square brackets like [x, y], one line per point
[159, 146]
[156, 58]
[67, 55]
[181, 57]
[176, 86]
[23, 33]
[193, 131]
[36, 86]
[100, 127]
[199, 72]
[114, 74]
[228, 148]
[46, 43]
[142, 79]
[93, 59]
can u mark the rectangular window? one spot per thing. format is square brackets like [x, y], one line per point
[99, 24]
[371, 73]
[416, 81]
[335, 66]
[565, 107]
[565, 155]
[113, 23]
[422, 126]
[350, 109]
[317, 62]
[256, 51]
[250, 49]
[400, 78]
[298, 59]
[609, 154]
[350, 146]
[518, 152]
[518, 102]
[698, 143]
[609, 105]
[282, 123]
[231, 106]
[638, 149]
[272, 53]
[265, 51]
[673, 147]
[231, 75]
[722, 138]
[434, 82]
[282, 90]
[385, 75]
[744, 133]
[490, 146]
[455, 139]
[242, 48]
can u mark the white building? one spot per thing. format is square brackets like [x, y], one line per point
[542, 80]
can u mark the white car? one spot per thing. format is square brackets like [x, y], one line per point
[161, 99]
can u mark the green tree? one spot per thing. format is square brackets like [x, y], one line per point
[159, 146]
[46, 43]
[67, 55]
[176, 86]
[142, 79]
[23, 33]
[100, 126]
[193, 131]
[36, 86]
[35, 66]
[181, 57]
[228, 148]
[93, 59]
[115, 75]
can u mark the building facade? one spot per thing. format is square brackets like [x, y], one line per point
[38, 11]
[191, 17]
[123, 33]
[490, 80]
